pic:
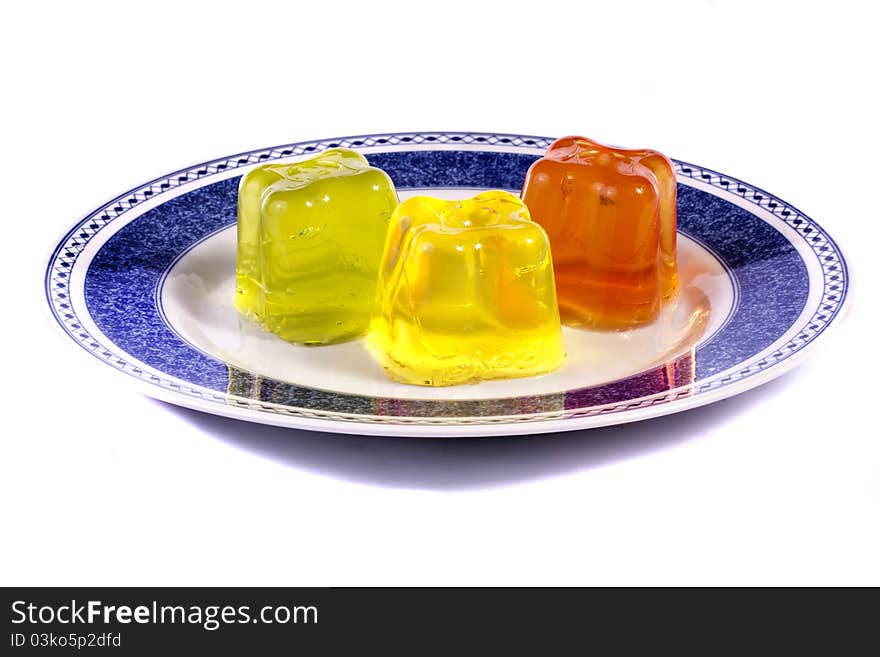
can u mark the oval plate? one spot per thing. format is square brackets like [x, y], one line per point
[145, 283]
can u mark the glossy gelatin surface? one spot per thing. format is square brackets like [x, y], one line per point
[466, 293]
[610, 215]
[310, 237]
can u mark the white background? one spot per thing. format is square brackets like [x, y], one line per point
[100, 485]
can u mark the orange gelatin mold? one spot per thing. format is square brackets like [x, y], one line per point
[610, 216]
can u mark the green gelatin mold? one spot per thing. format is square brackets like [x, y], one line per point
[310, 239]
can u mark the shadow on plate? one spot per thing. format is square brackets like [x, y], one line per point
[469, 463]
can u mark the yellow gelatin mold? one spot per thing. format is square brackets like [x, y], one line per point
[310, 238]
[466, 293]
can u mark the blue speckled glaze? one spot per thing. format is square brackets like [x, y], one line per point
[122, 279]
[772, 278]
[455, 168]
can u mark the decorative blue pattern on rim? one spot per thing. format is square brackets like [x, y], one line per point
[411, 169]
